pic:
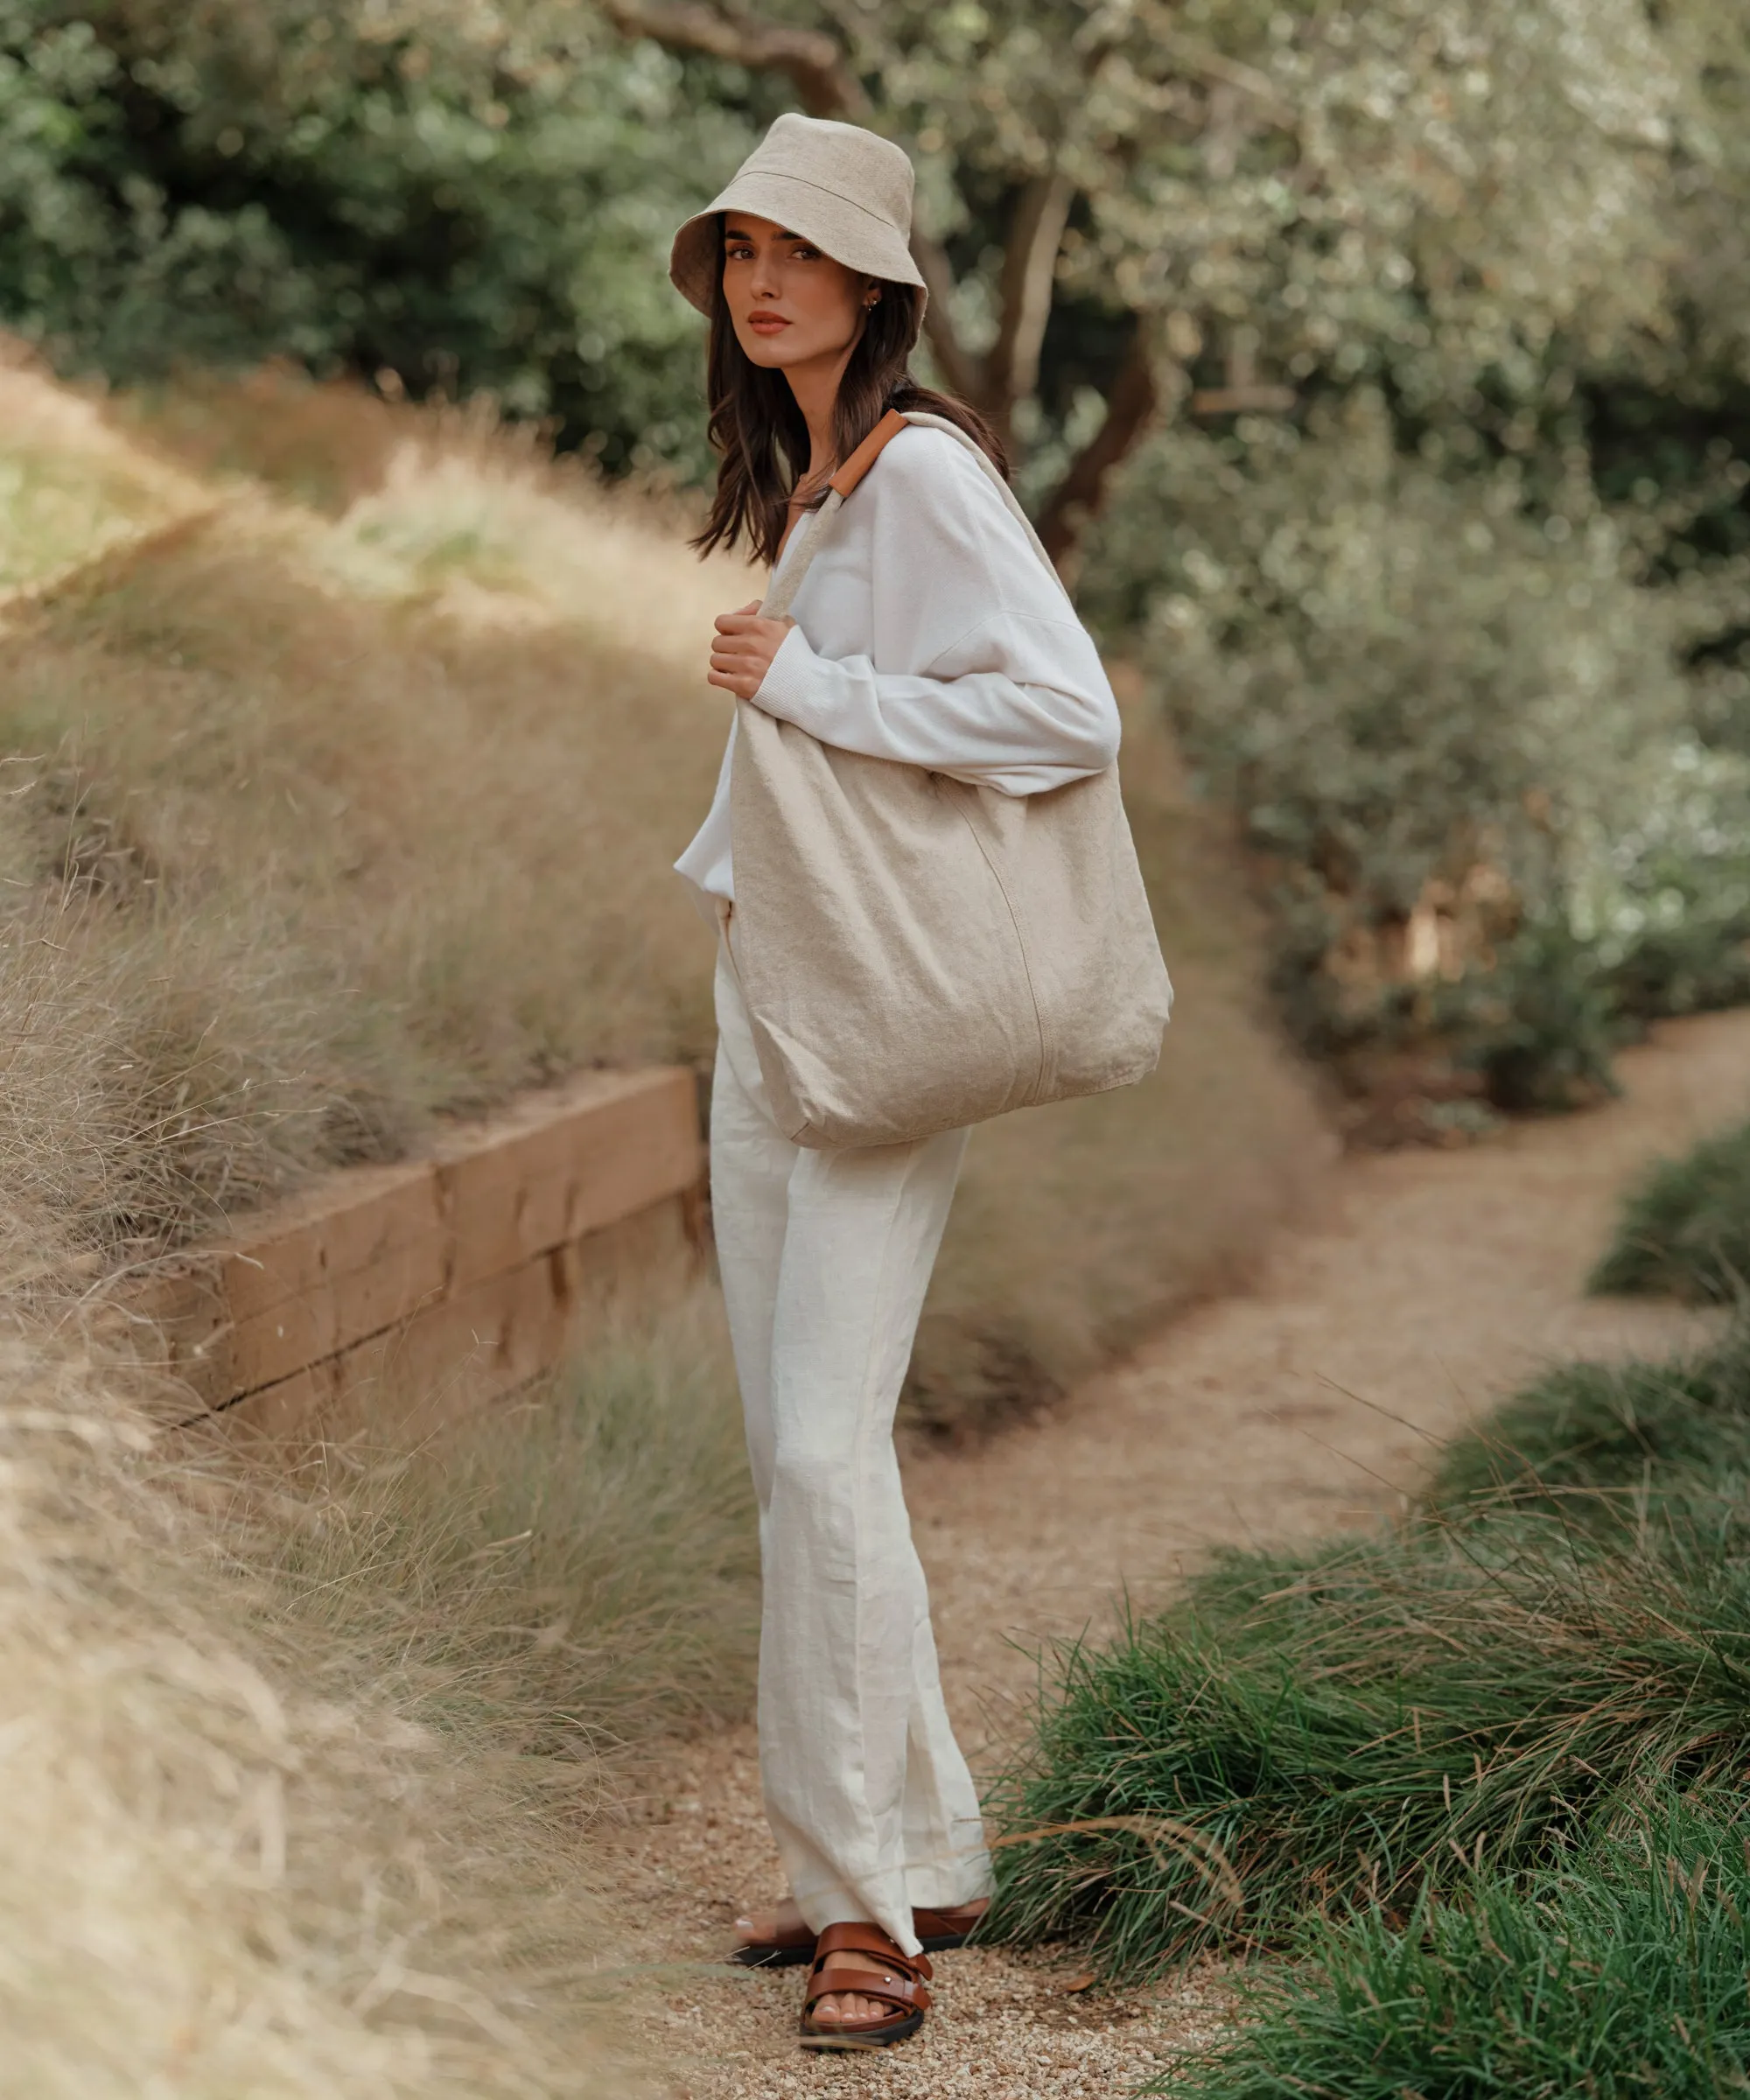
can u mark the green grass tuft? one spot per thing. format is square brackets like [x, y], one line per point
[1685, 1231]
[1596, 1438]
[1617, 1973]
[1353, 1724]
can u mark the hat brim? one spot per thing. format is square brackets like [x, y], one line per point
[838, 225]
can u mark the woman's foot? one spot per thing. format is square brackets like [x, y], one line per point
[774, 1928]
[889, 2008]
[845, 2005]
[785, 1922]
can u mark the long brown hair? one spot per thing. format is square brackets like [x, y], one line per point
[762, 442]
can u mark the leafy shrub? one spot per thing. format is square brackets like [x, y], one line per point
[1460, 735]
[1685, 1231]
[465, 201]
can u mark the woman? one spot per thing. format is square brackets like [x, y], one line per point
[926, 632]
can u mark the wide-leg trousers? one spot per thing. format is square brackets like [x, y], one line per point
[825, 1258]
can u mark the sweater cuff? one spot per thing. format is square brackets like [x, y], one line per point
[791, 677]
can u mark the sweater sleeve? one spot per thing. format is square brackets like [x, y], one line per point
[980, 669]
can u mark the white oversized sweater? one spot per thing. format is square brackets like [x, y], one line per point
[928, 630]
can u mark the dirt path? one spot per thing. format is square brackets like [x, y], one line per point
[1436, 1280]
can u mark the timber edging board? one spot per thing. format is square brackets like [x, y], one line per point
[464, 1264]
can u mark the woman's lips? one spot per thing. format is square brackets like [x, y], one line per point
[766, 323]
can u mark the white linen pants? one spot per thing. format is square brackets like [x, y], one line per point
[825, 1258]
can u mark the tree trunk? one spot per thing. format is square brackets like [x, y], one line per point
[1132, 404]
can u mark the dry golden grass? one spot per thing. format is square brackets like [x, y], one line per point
[271, 1822]
[357, 819]
[567, 1574]
[71, 484]
[274, 1820]
[208, 1878]
[259, 1840]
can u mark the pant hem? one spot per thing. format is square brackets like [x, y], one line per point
[822, 1908]
[942, 1892]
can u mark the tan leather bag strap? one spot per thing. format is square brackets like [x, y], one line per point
[867, 453]
[784, 587]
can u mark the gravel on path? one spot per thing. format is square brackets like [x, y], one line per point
[1436, 1280]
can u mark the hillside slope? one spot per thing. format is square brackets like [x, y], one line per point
[348, 749]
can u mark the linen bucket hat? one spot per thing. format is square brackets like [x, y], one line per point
[846, 189]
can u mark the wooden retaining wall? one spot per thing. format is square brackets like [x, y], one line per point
[458, 1274]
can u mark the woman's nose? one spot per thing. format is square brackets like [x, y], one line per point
[763, 280]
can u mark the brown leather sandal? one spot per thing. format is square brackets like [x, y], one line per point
[895, 1979]
[940, 1930]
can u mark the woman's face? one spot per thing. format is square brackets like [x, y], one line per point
[789, 304]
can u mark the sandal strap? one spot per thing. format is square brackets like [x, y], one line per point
[898, 1982]
[861, 1936]
[903, 1993]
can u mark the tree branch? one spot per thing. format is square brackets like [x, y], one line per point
[1131, 405]
[1029, 269]
[811, 62]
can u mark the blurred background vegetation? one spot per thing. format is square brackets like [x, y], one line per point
[1382, 376]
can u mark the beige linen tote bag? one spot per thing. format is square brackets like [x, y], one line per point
[917, 954]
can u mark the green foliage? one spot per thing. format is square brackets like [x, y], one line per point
[466, 202]
[1459, 732]
[1625, 1431]
[1685, 1231]
[1618, 1973]
[1340, 1727]
[1350, 1729]
[1379, 191]
[1537, 1023]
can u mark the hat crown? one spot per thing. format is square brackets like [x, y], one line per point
[843, 189]
[845, 160]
